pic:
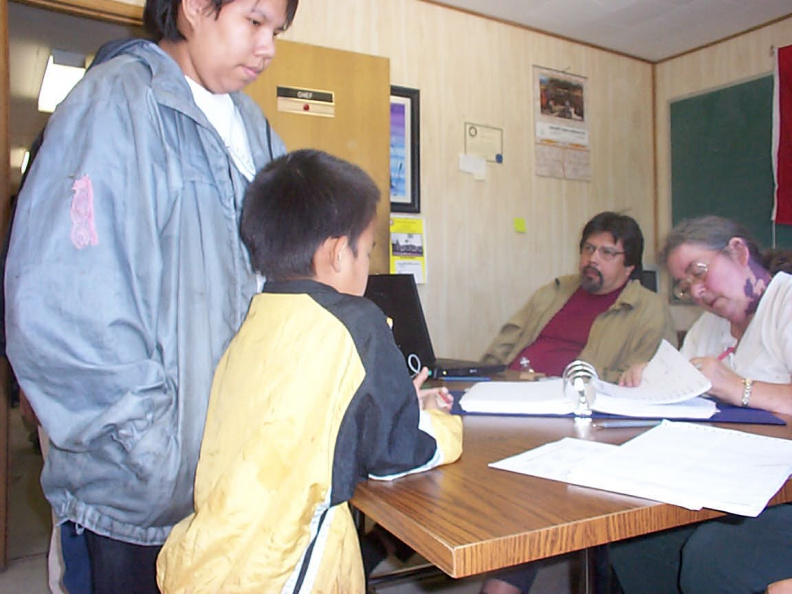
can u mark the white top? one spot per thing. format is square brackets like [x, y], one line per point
[221, 112]
[765, 351]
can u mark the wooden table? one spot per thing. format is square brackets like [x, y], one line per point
[467, 518]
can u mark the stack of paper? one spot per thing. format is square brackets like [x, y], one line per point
[543, 397]
[685, 464]
[670, 389]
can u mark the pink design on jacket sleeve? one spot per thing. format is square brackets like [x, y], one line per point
[83, 232]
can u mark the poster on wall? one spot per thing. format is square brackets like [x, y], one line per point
[408, 247]
[562, 138]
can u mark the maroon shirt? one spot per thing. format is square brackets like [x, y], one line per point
[565, 335]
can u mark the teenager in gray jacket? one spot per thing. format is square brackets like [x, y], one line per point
[126, 276]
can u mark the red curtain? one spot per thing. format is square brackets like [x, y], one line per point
[782, 136]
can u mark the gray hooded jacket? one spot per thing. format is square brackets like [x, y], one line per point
[125, 280]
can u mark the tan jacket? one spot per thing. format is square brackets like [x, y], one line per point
[628, 332]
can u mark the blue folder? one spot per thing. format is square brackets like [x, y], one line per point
[726, 414]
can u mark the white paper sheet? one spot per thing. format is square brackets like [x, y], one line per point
[685, 464]
[554, 460]
[694, 466]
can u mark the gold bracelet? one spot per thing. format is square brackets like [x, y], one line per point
[747, 387]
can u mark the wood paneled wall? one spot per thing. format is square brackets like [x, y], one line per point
[721, 65]
[471, 69]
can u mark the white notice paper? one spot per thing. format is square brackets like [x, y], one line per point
[474, 164]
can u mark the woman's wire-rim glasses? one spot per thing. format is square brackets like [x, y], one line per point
[696, 273]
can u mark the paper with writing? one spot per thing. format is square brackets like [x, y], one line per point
[693, 466]
[685, 464]
[554, 460]
[667, 379]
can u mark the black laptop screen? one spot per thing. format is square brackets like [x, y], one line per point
[397, 296]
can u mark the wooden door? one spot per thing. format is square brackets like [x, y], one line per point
[358, 131]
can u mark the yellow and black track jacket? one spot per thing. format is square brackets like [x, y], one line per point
[311, 397]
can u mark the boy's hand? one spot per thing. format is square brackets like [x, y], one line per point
[782, 587]
[433, 398]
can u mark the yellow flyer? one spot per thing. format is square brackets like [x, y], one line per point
[408, 247]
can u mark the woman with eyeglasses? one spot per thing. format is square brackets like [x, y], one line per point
[743, 340]
[743, 344]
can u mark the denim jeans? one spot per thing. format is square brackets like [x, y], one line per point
[96, 564]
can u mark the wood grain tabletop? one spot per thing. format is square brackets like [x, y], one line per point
[467, 518]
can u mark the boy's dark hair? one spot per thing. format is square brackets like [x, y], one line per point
[161, 17]
[296, 203]
[621, 227]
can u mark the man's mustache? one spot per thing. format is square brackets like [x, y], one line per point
[594, 270]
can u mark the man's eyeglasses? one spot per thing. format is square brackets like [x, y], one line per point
[607, 253]
[696, 273]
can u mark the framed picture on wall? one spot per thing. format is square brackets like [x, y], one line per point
[405, 150]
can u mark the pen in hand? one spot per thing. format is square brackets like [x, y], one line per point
[443, 398]
[436, 398]
[725, 353]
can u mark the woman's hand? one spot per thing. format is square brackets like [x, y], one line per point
[729, 387]
[726, 385]
[632, 377]
[433, 398]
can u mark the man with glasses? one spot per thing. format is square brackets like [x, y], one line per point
[601, 315]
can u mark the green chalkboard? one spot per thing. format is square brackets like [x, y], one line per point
[721, 158]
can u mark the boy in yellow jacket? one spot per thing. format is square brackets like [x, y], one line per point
[311, 397]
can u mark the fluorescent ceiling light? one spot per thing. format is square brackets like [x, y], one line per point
[64, 70]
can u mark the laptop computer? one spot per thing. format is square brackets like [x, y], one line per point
[397, 296]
